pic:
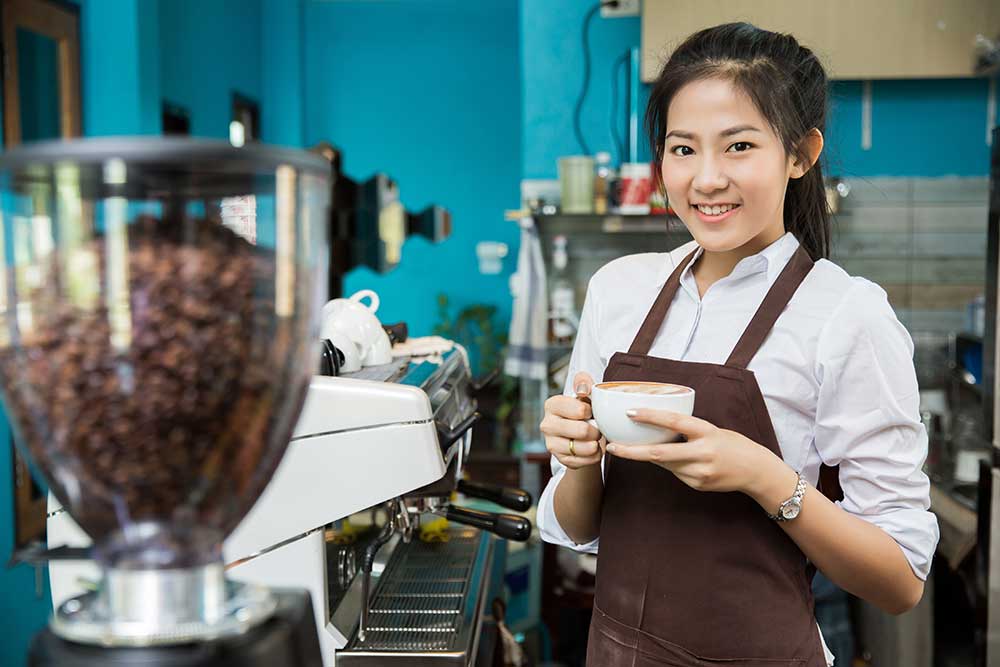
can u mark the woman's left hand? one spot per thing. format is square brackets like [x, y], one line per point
[712, 459]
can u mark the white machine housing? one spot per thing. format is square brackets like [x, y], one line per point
[357, 443]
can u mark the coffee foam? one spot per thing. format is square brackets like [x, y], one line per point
[655, 388]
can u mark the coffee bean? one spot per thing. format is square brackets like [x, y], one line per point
[169, 404]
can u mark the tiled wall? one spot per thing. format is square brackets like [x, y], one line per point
[923, 240]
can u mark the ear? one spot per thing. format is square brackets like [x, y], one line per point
[810, 147]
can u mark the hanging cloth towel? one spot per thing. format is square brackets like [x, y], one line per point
[528, 339]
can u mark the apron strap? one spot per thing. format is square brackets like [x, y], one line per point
[654, 318]
[771, 308]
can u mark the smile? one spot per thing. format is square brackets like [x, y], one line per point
[715, 213]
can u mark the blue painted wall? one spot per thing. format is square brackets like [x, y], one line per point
[552, 65]
[24, 610]
[120, 67]
[282, 86]
[428, 92]
[919, 127]
[208, 50]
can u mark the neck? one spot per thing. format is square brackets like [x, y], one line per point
[715, 265]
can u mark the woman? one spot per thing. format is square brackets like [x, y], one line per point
[704, 546]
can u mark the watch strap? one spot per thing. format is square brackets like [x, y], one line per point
[800, 492]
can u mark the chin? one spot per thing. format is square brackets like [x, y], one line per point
[719, 240]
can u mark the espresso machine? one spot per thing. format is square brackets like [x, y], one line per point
[154, 363]
[354, 515]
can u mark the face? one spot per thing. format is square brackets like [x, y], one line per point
[724, 168]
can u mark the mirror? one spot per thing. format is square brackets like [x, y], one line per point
[38, 75]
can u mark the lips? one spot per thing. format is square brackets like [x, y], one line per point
[715, 209]
[715, 212]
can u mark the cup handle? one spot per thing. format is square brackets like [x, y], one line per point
[372, 297]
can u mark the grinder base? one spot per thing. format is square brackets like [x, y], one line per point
[288, 638]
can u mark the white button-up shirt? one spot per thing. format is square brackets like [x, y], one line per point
[836, 373]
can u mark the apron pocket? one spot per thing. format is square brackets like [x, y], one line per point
[614, 644]
[671, 654]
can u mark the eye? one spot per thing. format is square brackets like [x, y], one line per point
[676, 151]
[740, 147]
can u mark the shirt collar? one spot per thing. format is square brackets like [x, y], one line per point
[770, 261]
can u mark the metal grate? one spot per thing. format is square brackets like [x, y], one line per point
[421, 596]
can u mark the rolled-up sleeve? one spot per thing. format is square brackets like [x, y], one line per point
[586, 357]
[868, 421]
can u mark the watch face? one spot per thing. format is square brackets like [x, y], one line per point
[790, 511]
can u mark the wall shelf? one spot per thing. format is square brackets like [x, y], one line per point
[569, 223]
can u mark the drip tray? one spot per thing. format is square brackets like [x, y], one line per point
[428, 606]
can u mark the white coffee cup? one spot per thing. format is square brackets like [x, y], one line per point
[352, 318]
[611, 400]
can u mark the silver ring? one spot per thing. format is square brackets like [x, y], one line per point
[572, 448]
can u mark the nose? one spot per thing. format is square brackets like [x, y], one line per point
[709, 177]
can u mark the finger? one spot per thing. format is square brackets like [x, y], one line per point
[666, 454]
[569, 428]
[688, 425]
[577, 462]
[582, 382]
[569, 407]
[581, 448]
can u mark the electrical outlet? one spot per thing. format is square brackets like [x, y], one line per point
[624, 8]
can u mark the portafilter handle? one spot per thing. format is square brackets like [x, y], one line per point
[446, 436]
[518, 500]
[482, 382]
[507, 526]
[398, 333]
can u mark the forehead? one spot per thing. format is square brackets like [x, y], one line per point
[709, 106]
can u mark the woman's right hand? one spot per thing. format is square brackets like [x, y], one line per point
[566, 420]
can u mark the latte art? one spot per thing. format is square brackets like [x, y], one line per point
[655, 388]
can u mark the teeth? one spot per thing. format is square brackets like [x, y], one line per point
[716, 210]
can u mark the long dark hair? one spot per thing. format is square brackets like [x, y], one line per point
[786, 82]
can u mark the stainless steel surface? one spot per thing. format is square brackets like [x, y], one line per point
[424, 601]
[390, 372]
[346, 596]
[428, 606]
[158, 607]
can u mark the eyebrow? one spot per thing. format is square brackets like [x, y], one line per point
[725, 133]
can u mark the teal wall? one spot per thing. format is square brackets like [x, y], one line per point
[919, 128]
[208, 50]
[24, 610]
[428, 92]
[37, 63]
[120, 67]
[282, 64]
[552, 66]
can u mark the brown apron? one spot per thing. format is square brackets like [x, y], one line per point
[691, 578]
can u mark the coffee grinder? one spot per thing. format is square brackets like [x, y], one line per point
[158, 311]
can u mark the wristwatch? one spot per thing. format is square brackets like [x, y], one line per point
[790, 509]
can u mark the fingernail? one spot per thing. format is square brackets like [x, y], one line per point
[581, 388]
[612, 448]
[631, 413]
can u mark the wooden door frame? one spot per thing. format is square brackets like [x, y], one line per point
[60, 22]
